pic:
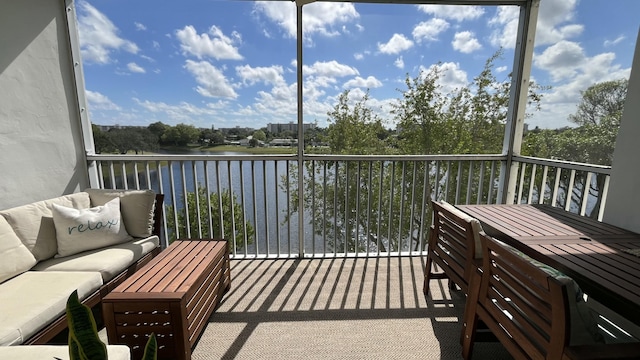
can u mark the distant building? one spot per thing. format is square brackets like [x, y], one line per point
[116, 126]
[236, 129]
[293, 127]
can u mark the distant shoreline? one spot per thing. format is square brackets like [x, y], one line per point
[230, 148]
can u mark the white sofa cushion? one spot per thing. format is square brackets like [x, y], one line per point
[137, 207]
[33, 223]
[50, 352]
[33, 299]
[16, 258]
[109, 262]
[79, 230]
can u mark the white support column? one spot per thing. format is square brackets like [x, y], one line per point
[518, 99]
[85, 122]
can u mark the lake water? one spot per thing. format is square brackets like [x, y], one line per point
[264, 203]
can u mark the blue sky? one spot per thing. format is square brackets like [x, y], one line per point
[226, 63]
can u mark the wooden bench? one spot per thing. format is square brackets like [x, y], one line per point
[172, 296]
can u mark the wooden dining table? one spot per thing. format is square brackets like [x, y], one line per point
[603, 259]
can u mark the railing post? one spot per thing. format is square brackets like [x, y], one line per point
[523, 56]
[300, 132]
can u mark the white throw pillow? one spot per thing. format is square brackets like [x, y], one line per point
[137, 208]
[80, 230]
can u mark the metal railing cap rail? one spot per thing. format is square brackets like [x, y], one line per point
[433, 157]
[571, 165]
[182, 157]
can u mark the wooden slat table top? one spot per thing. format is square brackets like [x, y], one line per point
[589, 251]
[171, 274]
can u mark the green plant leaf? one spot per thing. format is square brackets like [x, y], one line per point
[151, 349]
[84, 342]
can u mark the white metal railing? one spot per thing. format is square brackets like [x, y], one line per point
[549, 181]
[347, 206]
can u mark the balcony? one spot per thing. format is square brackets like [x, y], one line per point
[322, 274]
[326, 297]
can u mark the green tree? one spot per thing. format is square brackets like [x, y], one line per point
[354, 129]
[348, 186]
[101, 140]
[429, 121]
[217, 138]
[259, 135]
[181, 135]
[133, 139]
[158, 129]
[215, 221]
[598, 116]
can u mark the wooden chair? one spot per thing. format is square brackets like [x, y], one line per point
[453, 245]
[527, 309]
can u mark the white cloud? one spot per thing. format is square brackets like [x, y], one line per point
[451, 76]
[99, 36]
[98, 101]
[184, 112]
[568, 62]
[213, 44]
[280, 101]
[429, 30]
[135, 68]
[359, 82]
[562, 60]
[554, 23]
[615, 41]
[139, 26]
[329, 68]
[453, 12]
[212, 82]
[500, 69]
[358, 56]
[148, 58]
[267, 75]
[505, 22]
[323, 18]
[399, 63]
[395, 45]
[466, 42]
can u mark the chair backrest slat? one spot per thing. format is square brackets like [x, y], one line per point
[452, 245]
[526, 308]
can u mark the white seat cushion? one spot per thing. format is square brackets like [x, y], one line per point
[33, 299]
[46, 352]
[109, 261]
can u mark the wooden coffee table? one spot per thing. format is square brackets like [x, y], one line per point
[172, 296]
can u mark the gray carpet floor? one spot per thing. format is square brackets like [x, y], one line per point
[336, 309]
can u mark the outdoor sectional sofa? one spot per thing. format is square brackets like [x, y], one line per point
[45, 256]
